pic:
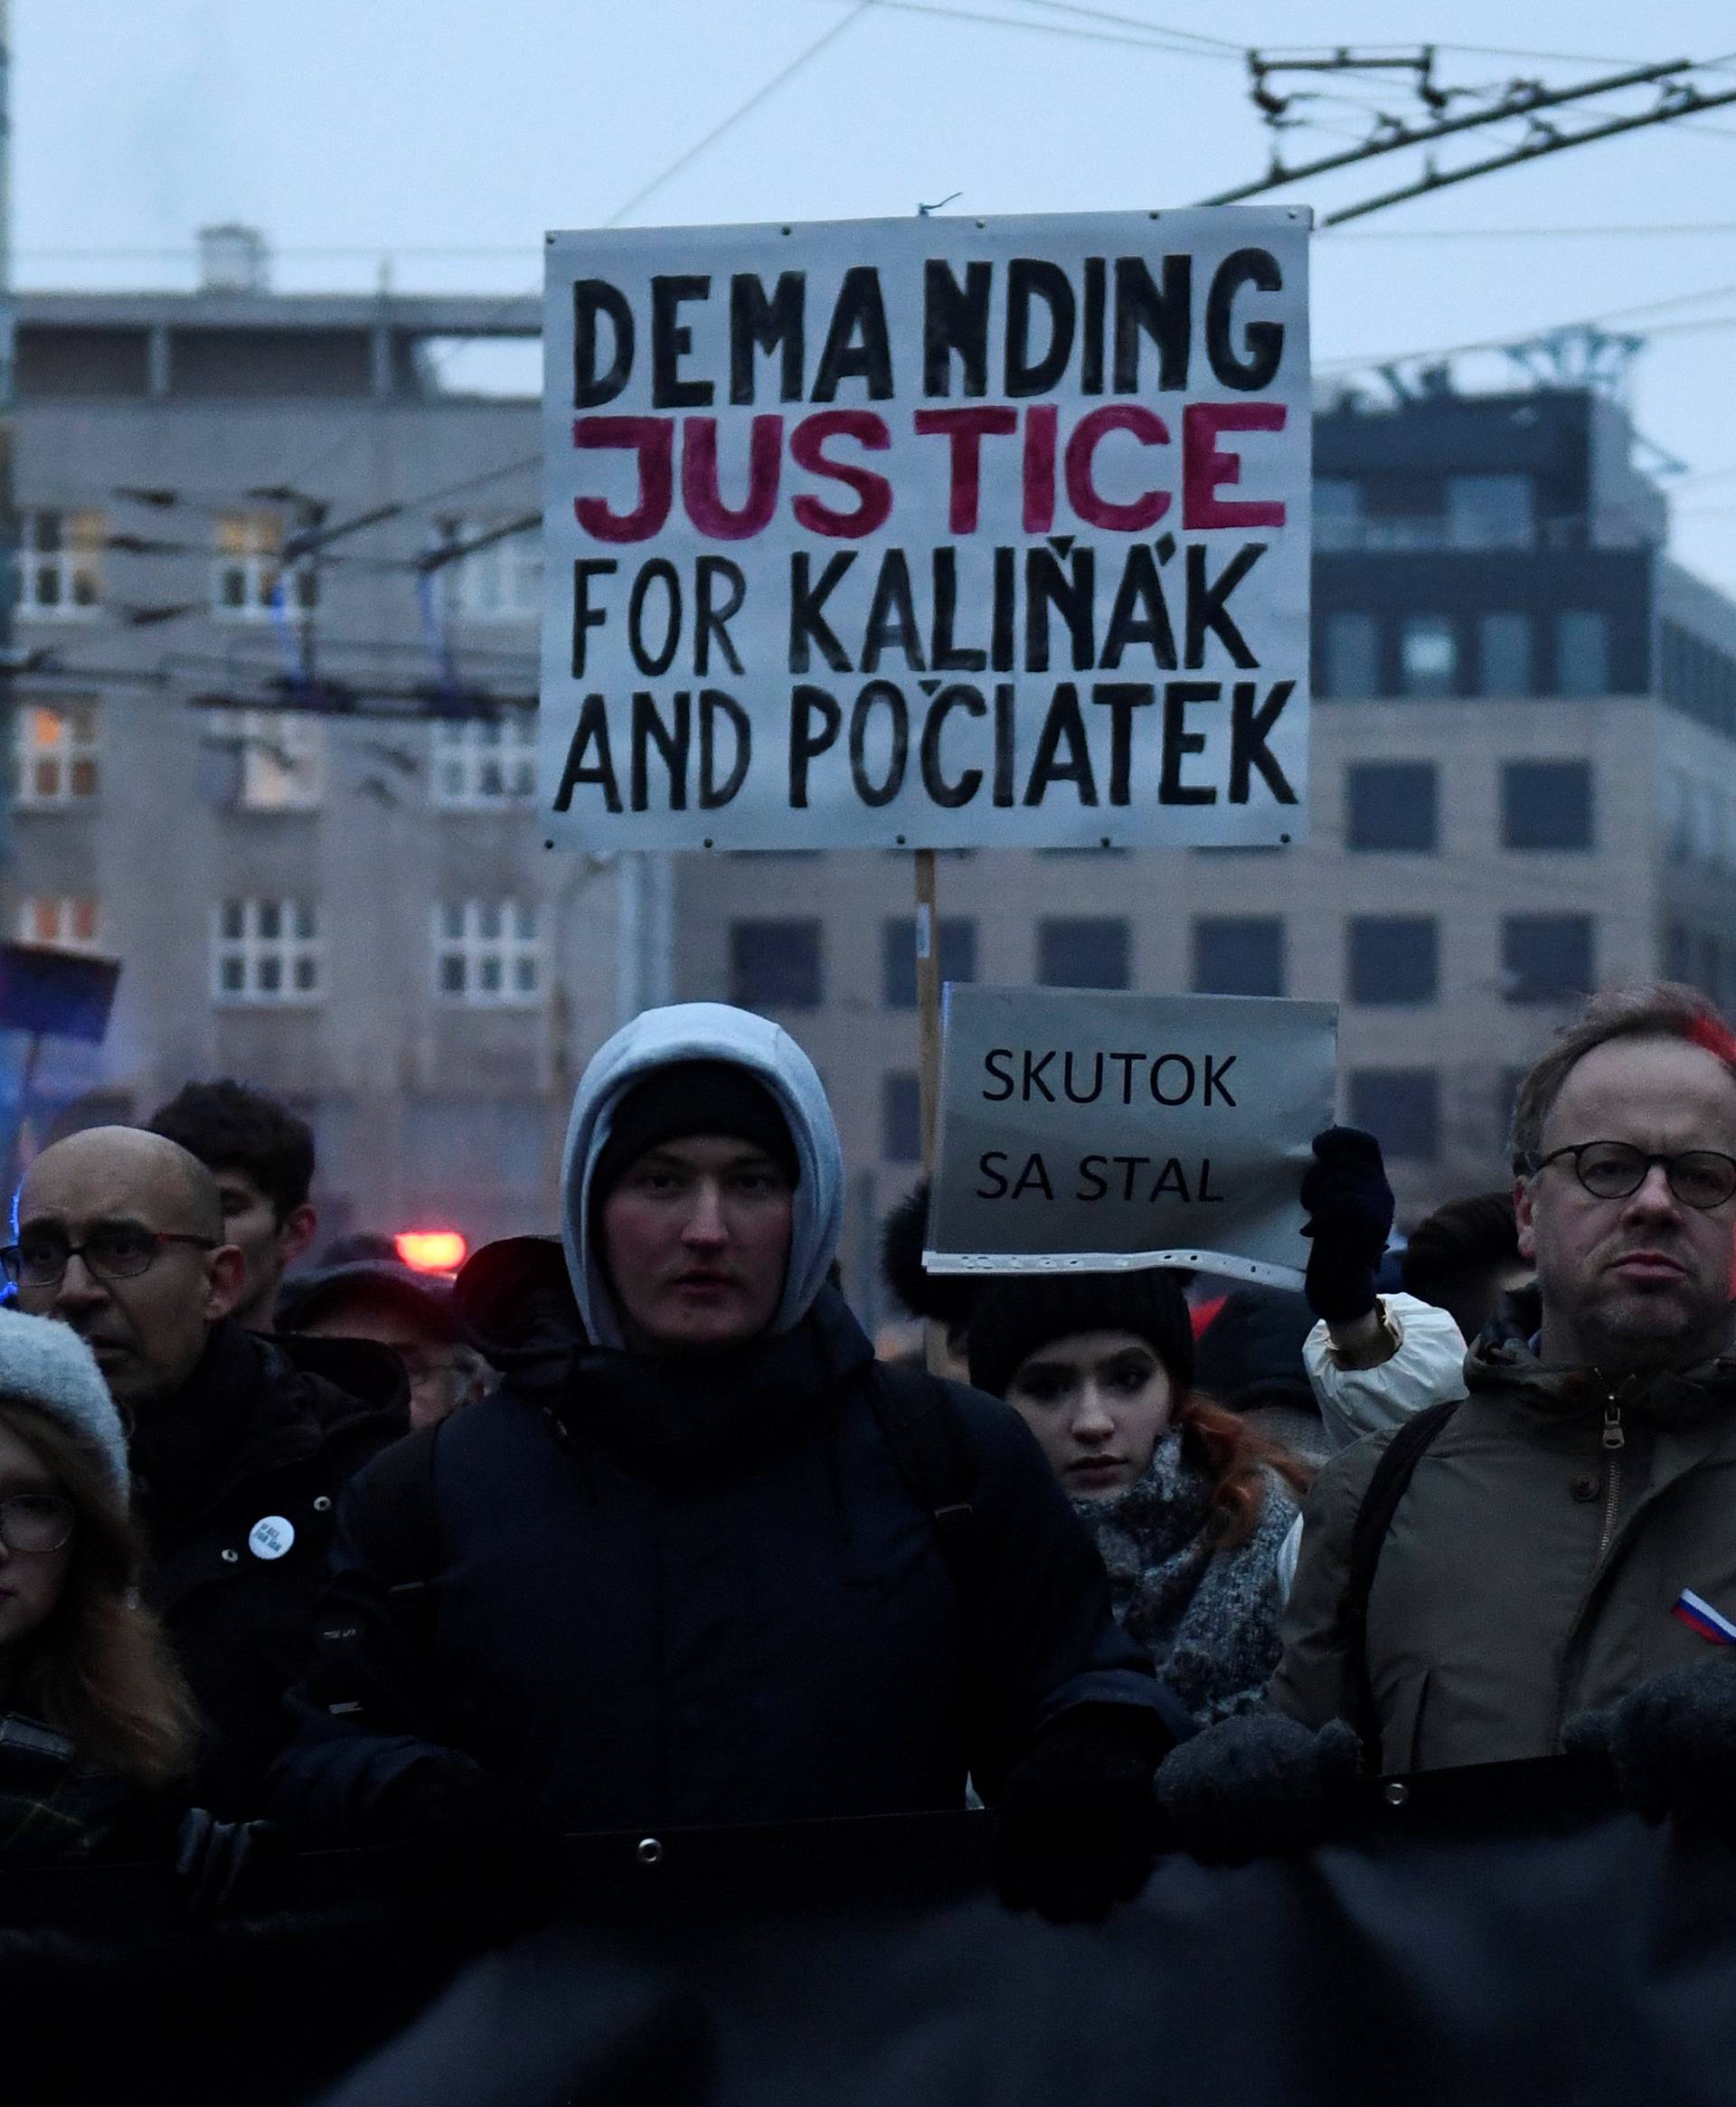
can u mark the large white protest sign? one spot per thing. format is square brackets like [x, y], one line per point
[1099, 1131]
[927, 533]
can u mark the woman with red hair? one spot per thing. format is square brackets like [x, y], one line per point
[1187, 1505]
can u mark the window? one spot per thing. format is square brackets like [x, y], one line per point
[1429, 655]
[1491, 512]
[1546, 804]
[1353, 667]
[775, 965]
[1681, 814]
[1238, 954]
[1392, 805]
[58, 563]
[250, 550]
[1504, 641]
[1401, 1107]
[265, 951]
[1337, 512]
[957, 949]
[900, 1118]
[1582, 654]
[1546, 958]
[1393, 958]
[1678, 953]
[54, 754]
[280, 758]
[502, 580]
[71, 921]
[481, 762]
[487, 953]
[1084, 951]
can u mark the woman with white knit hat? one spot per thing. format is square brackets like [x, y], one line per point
[94, 1717]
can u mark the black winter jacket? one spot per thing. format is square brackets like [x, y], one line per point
[662, 1597]
[238, 1479]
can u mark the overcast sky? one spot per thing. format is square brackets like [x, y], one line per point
[349, 129]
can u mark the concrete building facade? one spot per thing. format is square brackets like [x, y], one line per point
[226, 774]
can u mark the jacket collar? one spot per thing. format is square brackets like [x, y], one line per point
[1504, 1363]
[693, 1416]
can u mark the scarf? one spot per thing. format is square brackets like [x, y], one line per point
[1208, 1617]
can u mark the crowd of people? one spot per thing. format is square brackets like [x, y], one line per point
[631, 1529]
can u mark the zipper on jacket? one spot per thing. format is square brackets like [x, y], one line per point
[1615, 1440]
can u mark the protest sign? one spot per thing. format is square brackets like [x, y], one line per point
[1090, 1132]
[927, 533]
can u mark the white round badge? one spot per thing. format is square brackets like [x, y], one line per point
[271, 1537]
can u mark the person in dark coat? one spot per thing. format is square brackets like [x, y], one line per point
[239, 1444]
[673, 1571]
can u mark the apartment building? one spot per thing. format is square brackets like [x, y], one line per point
[225, 773]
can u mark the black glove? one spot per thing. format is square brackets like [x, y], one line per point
[1671, 1744]
[224, 1864]
[1349, 1205]
[1259, 1786]
[1077, 1827]
[475, 1845]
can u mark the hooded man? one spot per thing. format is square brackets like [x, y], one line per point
[688, 1569]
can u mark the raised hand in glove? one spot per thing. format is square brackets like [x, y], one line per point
[1672, 1745]
[1349, 1206]
[1258, 1786]
[1077, 1827]
[475, 1845]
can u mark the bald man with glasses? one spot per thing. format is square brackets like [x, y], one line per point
[1549, 1563]
[239, 1444]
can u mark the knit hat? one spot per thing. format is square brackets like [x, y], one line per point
[688, 1098]
[1017, 1313]
[304, 1299]
[45, 1364]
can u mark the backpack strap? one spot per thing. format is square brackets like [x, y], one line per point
[926, 1435]
[404, 1524]
[1380, 1503]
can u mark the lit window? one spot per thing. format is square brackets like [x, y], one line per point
[1429, 655]
[250, 560]
[487, 953]
[71, 922]
[501, 581]
[281, 756]
[54, 754]
[266, 953]
[58, 563]
[481, 762]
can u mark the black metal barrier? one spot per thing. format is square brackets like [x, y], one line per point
[1470, 1938]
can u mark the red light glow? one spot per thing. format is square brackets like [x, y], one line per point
[431, 1251]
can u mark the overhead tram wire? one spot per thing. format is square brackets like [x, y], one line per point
[745, 109]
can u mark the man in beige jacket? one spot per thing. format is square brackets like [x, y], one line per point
[1551, 1560]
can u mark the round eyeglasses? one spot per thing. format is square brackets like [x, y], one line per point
[1614, 1170]
[36, 1522]
[113, 1250]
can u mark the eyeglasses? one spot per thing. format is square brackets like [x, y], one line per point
[113, 1250]
[36, 1522]
[1613, 1170]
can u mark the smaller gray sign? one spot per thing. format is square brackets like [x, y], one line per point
[1090, 1132]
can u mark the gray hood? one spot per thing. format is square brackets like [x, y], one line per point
[705, 1031]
